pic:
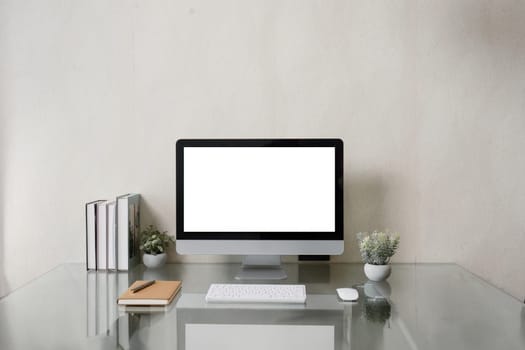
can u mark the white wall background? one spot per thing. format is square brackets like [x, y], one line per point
[429, 97]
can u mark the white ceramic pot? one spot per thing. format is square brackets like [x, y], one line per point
[154, 261]
[377, 273]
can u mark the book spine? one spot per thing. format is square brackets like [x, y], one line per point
[128, 230]
[95, 208]
[87, 236]
[112, 239]
[134, 230]
[91, 241]
[102, 236]
[122, 234]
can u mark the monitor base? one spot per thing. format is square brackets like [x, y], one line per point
[261, 267]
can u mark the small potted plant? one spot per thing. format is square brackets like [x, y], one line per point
[154, 243]
[376, 250]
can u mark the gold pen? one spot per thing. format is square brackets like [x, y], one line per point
[142, 286]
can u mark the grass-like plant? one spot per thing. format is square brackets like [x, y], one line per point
[377, 247]
[154, 242]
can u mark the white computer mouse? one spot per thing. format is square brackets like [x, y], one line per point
[347, 294]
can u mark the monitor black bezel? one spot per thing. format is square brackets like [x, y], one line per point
[338, 234]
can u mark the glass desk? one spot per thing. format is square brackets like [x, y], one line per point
[423, 306]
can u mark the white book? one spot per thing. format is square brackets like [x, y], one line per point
[128, 230]
[91, 235]
[102, 236]
[112, 234]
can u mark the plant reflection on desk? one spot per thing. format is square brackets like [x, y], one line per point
[377, 310]
[377, 307]
[370, 315]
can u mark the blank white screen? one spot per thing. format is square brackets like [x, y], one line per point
[265, 189]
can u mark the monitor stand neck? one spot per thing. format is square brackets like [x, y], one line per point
[261, 267]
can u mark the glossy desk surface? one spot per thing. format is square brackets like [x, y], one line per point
[427, 306]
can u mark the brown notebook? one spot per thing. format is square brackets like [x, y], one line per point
[159, 293]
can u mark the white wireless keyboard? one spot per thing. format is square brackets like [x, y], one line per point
[256, 293]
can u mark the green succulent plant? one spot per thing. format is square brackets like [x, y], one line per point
[377, 247]
[154, 242]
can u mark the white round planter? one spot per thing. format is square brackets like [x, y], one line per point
[377, 273]
[154, 261]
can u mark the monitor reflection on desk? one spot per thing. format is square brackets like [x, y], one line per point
[318, 325]
[258, 336]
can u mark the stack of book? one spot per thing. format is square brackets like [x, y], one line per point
[112, 233]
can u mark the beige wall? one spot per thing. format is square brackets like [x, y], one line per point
[428, 97]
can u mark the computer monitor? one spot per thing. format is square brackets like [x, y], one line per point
[260, 198]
